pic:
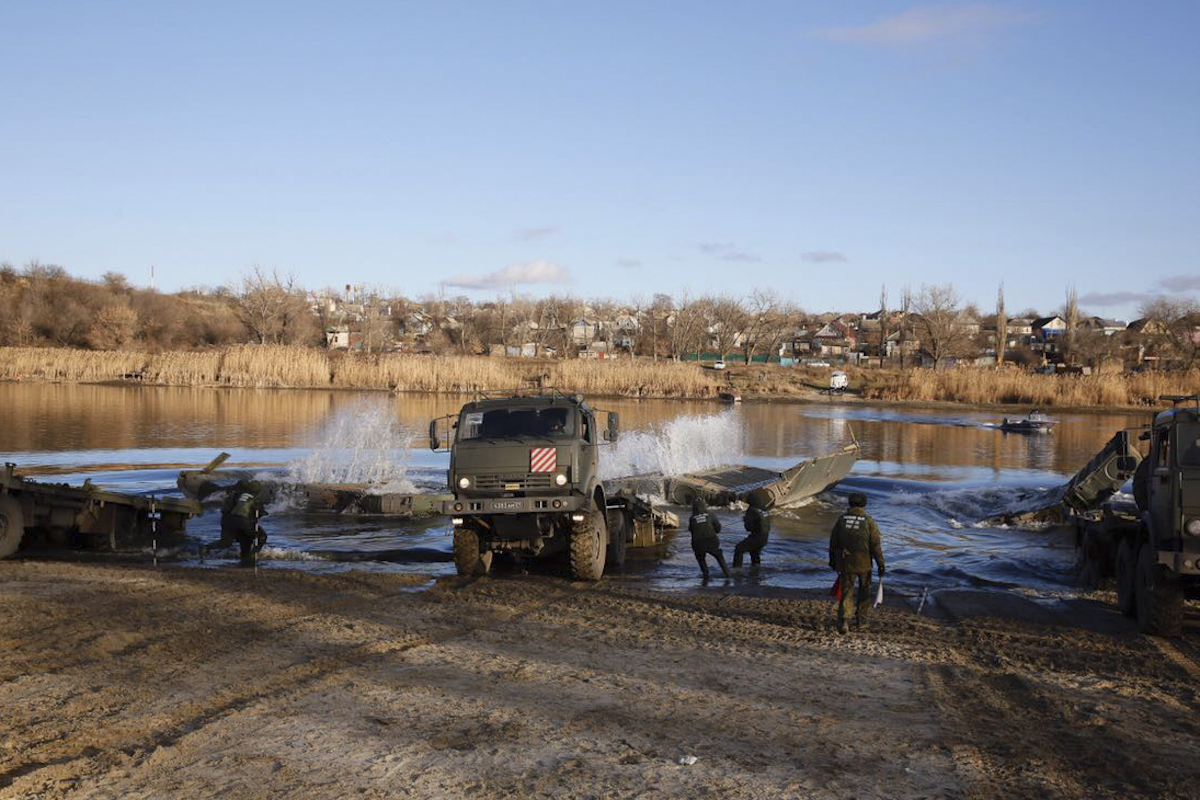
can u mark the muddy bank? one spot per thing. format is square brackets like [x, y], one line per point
[121, 681]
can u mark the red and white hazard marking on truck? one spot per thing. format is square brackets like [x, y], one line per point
[543, 459]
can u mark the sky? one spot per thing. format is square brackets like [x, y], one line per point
[611, 149]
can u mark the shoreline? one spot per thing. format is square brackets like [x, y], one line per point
[223, 682]
[815, 397]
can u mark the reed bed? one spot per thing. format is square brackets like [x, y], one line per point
[1010, 386]
[269, 366]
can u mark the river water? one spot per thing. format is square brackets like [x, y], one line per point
[932, 476]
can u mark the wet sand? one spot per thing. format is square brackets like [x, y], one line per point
[134, 682]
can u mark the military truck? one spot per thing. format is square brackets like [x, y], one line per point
[1151, 546]
[525, 475]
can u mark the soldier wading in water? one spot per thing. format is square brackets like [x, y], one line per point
[758, 526]
[240, 513]
[852, 545]
[704, 528]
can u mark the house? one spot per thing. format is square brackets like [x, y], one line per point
[582, 331]
[1046, 328]
[1020, 327]
[338, 338]
[416, 325]
[835, 338]
[1107, 327]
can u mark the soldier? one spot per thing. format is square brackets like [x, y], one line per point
[852, 545]
[704, 528]
[240, 513]
[758, 525]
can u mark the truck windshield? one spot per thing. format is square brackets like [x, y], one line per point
[1188, 445]
[515, 423]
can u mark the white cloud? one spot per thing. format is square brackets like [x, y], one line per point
[539, 232]
[823, 256]
[927, 23]
[728, 251]
[514, 274]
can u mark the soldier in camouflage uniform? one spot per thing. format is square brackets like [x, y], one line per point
[852, 546]
[704, 528]
[240, 512]
[758, 526]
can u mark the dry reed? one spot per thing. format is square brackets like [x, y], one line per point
[1015, 387]
[300, 367]
[269, 366]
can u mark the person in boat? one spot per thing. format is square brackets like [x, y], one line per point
[243, 507]
[853, 544]
[758, 526]
[704, 528]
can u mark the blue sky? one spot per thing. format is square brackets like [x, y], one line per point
[611, 149]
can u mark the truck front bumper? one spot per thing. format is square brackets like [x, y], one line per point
[1181, 563]
[512, 505]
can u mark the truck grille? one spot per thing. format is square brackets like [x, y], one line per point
[514, 483]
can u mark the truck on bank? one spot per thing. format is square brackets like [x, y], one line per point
[1152, 545]
[525, 474]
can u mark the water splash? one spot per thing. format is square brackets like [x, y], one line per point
[361, 443]
[685, 444]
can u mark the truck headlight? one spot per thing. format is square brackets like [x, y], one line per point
[560, 479]
[464, 483]
[1193, 527]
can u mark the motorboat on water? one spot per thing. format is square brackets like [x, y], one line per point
[1036, 422]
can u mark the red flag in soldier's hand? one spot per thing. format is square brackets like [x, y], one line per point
[836, 590]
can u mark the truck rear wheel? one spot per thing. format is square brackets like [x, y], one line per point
[1126, 564]
[1087, 562]
[618, 532]
[1159, 597]
[12, 525]
[469, 556]
[587, 547]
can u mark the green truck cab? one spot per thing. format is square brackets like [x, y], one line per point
[1158, 559]
[1151, 546]
[525, 476]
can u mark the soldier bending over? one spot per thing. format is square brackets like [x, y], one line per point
[704, 528]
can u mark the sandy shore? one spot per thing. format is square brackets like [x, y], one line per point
[134, 682]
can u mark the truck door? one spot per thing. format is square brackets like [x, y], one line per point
[1161, 488]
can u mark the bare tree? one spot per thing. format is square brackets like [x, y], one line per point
[1070, 314]
[726, 320]
[906, 300]
[942, 334]
[1001, 326]
[759, 317]
[1176, 332]
[270, 307]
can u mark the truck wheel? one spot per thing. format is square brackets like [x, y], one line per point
[618, 530]
[1126, 564]
[1159, 597]
[587, 547]
[12, 526]
[469, 556]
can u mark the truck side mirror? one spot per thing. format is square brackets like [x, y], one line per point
[614, 427]
[434, 443]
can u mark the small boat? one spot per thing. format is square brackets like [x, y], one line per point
[1036, 422]
[729, 397]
